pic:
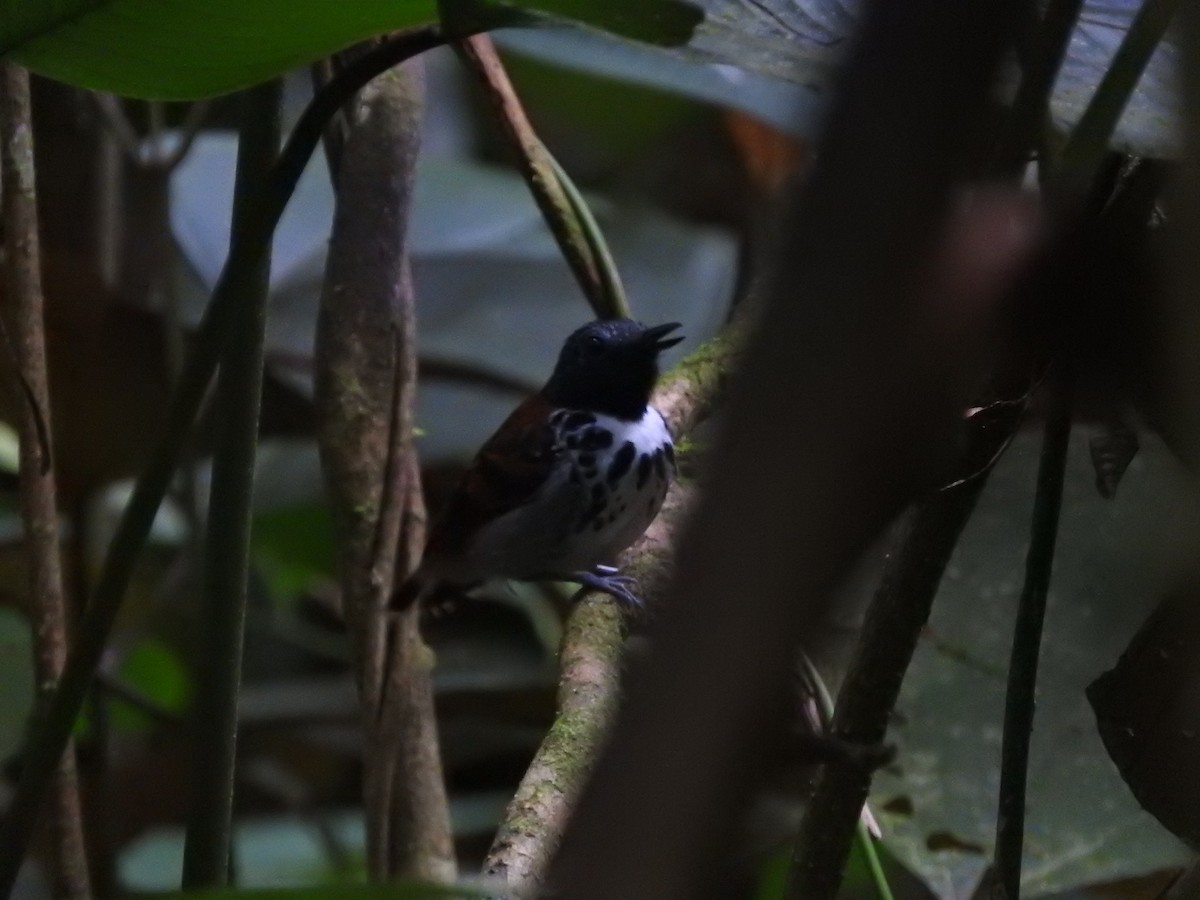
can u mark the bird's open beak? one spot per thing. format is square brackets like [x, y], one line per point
[655, 335]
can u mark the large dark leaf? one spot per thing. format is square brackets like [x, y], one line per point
[1148, 717]
[937, 805]
[181, 49]
[799, 44]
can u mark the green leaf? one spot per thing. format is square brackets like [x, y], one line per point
[293, 547]
[16, 674]
[156, 672]
[181, 49]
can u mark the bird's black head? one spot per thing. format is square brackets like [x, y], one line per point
[609, 366]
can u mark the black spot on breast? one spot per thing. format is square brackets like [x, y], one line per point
[669, 452]
[575, 477]
[578, 420]
[597, 439]
[587, 460]
[652, 506]
[621, 462]
[643, 472]
[598, 492]
[612, 517]
[572, 443]
[597, 525]
[660, 466]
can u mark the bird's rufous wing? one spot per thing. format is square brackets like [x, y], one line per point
[505, 474]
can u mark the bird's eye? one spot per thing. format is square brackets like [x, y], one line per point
[594, 346]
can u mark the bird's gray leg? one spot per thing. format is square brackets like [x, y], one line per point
[607, 579]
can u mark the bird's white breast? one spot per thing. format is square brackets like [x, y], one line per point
[606, 488]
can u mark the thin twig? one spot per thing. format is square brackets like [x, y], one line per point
[1027, 642]
[575, 230]
[227, 538]
[51, 736]
[39, 509]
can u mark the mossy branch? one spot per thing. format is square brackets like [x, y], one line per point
[593, 643]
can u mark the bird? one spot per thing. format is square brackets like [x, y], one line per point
[573, 476]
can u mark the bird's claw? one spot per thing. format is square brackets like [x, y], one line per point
[607, 580]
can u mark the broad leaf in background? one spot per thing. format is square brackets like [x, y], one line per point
[179, 49]
[936, 805]
[786, 53]
[494, 291]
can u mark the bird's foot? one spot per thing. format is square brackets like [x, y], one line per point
[608, 580]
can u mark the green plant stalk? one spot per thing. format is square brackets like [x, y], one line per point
[1027, 642]
[227, 541]
[562, 206]
[862, 833]
[1088, 143]
[612, 302]
[53, 726]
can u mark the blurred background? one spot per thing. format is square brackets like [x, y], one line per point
[681, 159]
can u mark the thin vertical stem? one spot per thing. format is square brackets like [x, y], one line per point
[1027, 641]
[54, 731]
[227, 542]
[24, 331]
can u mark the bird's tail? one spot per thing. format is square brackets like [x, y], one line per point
[414, 590]
[434, 595]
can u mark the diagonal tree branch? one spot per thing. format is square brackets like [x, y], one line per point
[24, 320]
[842, 412]
[592, 648]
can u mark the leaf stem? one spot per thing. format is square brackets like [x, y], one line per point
[227, 542]
[1027, 642]
[562, 206]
